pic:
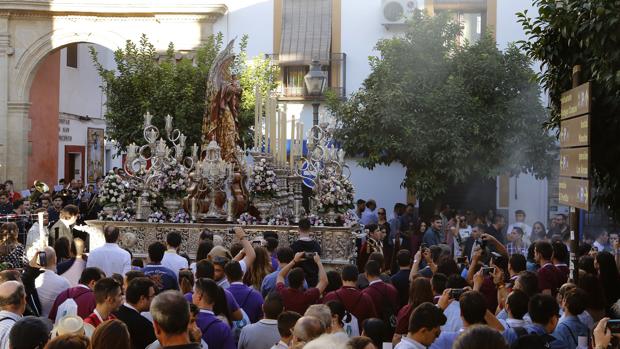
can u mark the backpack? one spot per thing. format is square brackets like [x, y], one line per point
[349, 321]
[388, 310]
[68, 307]
[532, 340]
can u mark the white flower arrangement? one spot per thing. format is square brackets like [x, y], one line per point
[113, 191]
[117, 216]
[350, 219]
[278, 220]
[263, 181]
[181, 217]
[334, 192]
[174, 182]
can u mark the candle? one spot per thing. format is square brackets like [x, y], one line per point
[168, 123]
[259, 105]
[42, 239]
[282, 137]
[147, 119]
[256, 114]
[293, 147]
[300, 136]
[182, 139]
[194, 151]
[272, 127]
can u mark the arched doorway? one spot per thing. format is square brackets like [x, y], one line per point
[35, 31]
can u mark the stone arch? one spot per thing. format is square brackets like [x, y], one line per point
[27, 65]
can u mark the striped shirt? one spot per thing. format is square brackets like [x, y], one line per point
[7, 320]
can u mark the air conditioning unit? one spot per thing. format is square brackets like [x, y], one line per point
[396, 12]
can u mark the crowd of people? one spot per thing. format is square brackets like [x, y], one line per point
[458, 280]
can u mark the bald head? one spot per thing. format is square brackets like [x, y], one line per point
[308, 328]
[50, 256]
[12, 296]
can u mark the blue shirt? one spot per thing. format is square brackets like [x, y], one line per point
[214, 332]
[569, 330]
[431, 237]
[248, 299]
[511, 336]
[369, 217]
[164, 278]
[445, 340]
[269, 283]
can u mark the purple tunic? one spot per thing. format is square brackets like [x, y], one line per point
[214, 332]
[248, 299]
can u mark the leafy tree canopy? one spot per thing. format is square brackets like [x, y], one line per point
[566, 33]
[145, 80]
[447, 112]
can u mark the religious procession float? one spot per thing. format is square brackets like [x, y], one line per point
[167, 185]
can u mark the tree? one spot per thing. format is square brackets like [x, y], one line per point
[145, 81]
[446, 112]
[566, 33]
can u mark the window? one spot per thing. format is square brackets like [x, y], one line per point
[294, 80]
[72, 56]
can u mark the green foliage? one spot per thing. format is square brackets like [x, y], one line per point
[145, 81]
[566, 33]
[446, 112]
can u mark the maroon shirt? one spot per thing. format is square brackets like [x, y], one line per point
[83, 296]
[354, 301]
[381, 292]
[297, 300]
[402, 319]
[549, 278]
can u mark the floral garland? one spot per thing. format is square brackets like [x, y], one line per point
[117, 216]
[157, 217]
[247, 219]
[263, 183]
[112, 191]
[334, 192]
[181, 217]
[174, 182]
[278, 220]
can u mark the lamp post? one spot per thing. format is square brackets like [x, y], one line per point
[315, 81]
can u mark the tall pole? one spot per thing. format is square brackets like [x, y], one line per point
[574, 211]
[315, 116]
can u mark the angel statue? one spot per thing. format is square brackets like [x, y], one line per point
[220, 121]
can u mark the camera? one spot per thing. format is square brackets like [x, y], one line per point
[309, 255]
[456, 293]
[486, 271]
[614, 326]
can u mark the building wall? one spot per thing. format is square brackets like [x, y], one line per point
[43, 114]
[81, 96]
[252, 17]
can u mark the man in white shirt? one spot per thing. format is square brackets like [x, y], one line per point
[110, 257]
[49, 284]
[424, 327]
[520, 222]
[13, 300]
[172, 260]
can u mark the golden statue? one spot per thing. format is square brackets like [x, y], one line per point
[220, 121]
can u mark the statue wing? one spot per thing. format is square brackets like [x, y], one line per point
[219, 72]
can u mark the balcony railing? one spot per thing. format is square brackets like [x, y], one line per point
[292, 85]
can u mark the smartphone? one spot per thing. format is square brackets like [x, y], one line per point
[461, 260]
[42, 259]
[309, 255]
[486, 271]
[614, 326]
[456, 293]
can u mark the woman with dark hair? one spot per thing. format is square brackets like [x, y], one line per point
[538, 232]
[420, 291]
[416, 237]
[605, 265]
[596, 304]
[586, 263]
[111, 334]
[186, 281]
[338, 318]
[210, 298]
[480, 337]
[11, 251]
[204, 248]
[374, 329]
[388, 248]
[260, 268]
[62, 246]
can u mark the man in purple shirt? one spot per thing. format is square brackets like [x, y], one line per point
[248, 299]
[215, 333]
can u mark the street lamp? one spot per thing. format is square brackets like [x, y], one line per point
[315, 81]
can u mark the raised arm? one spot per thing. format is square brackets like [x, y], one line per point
[287, 268]
[247, 254]
[322, 284]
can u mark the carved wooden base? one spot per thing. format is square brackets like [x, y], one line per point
[337, 243]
